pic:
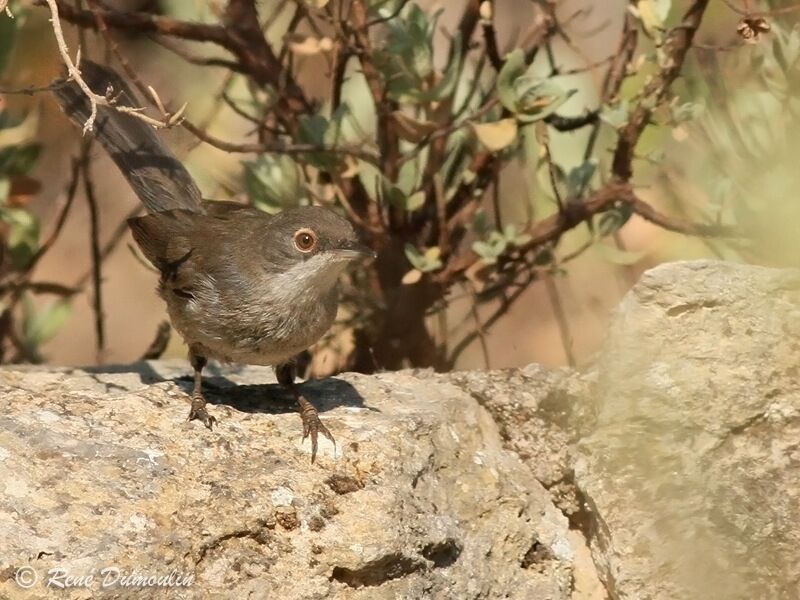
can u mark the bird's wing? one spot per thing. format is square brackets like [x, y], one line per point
[187, 246]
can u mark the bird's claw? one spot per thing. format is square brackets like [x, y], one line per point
[198, 411]
[312, 427]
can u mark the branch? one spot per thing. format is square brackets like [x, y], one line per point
[615, 76]
[572, 123]
[95, 100]
[550, 230]
[201, 61]
[490, 38]
[279, 147]
[241, 36]
[647, 212]
[677, 44]
[144, 23]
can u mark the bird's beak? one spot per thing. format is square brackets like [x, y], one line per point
[354, 250]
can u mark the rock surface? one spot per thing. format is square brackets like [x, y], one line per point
[419, 500]
[677, 456]
[693, 471]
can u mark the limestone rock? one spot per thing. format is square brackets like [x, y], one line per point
[420, 500]
[692, 474]
[540, 413]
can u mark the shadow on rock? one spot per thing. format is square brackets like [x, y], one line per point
[270, 398]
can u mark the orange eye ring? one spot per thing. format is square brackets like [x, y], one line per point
[305, 240]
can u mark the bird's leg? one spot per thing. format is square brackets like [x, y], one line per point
[312, 426]
[198, 409]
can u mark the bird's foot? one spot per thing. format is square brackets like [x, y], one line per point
[198, 411]
[312, 426]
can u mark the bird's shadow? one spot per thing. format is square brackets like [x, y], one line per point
[270, 398]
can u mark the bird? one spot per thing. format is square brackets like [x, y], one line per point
[240, 285]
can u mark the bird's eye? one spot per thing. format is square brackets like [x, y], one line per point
[305, 240]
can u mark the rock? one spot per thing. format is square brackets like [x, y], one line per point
[540, 413]
[676, 454]
[691, 474]
[100, 470]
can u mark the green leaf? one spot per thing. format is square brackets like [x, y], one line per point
[485, 251]
[415, 201]
[616, 115]
[514, 237]
[538, 98]
[414, 256]
[424, 262]
[688, 111]
[312, 129]
[395, 196]
[18, 160]
[5, 188]
[530, 98]
[21, 133]
[334, 130]
[490, 249]
[613, 220]
[578, 178]
[23, 235]
[480, 223]
[513, 68]
[273, 182]
[39, 327]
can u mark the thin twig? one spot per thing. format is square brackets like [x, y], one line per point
[72, 187]
[159, 344]
[481, 331]
[96, 100]
[504, 307]
[202, 61]
[111, 244]
[279, 147]
[97, 261]
[561, 319]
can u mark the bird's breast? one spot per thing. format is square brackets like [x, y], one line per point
[262, 330]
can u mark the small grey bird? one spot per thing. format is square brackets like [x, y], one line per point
[240, 285]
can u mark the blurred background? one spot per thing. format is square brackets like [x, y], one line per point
[721, 151]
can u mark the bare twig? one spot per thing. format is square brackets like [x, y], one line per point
[203, 61]
[490, 39]
[481, 331]
[561, 319]
[506, 304]
[72, 187]
[111, 244]
[159, 344]
[97, 261]
[279, 147]
[95, 100]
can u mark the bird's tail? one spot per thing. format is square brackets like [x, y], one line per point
[159, 179]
